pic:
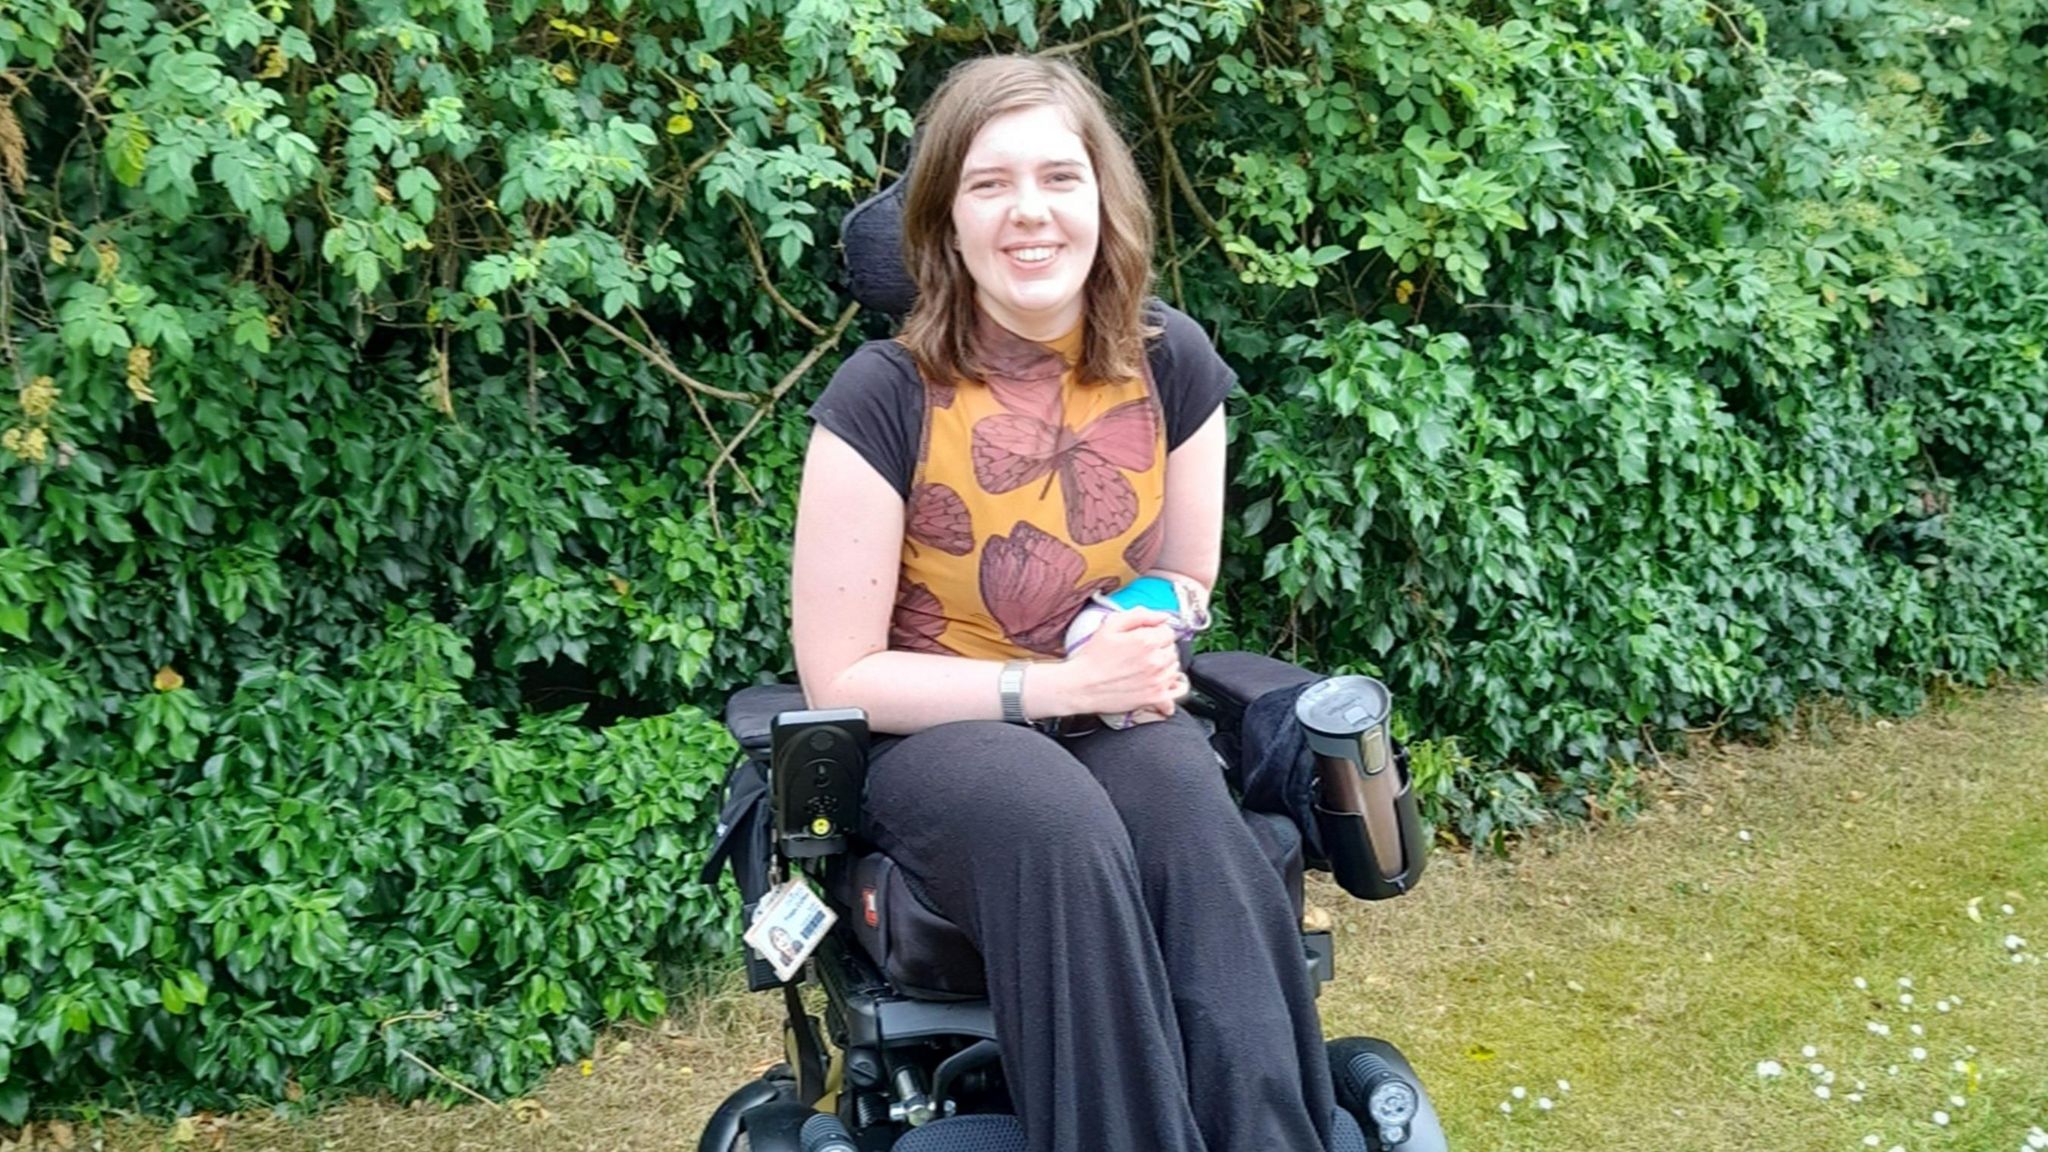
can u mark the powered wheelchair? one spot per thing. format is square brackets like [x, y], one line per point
[905, 1057]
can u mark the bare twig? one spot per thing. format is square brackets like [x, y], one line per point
[444, 386]
[787, 382]
[1180, 299]
[532, 381]
[767, 285]
[1083, 45]
[1172, 155]
[445, 1078]
[660, 359]
[403, 1017]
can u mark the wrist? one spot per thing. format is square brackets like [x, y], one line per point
[1046, 690]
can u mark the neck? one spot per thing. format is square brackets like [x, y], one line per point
[1043, 327]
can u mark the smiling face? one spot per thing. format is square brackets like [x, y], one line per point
[1027, 217]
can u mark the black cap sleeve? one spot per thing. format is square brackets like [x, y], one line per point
[875, 402]
[1191, 375]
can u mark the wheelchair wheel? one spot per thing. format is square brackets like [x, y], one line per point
[723, 1133]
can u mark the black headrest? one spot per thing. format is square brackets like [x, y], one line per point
[871, 238]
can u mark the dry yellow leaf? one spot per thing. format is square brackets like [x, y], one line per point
[30, 444]
[39, 397]
[13, 148]
[60, 250]
[141, 363]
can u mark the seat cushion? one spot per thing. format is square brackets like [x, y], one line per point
[922, 954]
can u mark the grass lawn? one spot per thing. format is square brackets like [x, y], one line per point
[1652, 965]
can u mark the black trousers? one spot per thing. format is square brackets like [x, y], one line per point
[1143, 961]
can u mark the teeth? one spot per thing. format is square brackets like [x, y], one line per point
[1032, 255]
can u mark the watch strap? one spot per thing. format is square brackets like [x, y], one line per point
[1010, 686]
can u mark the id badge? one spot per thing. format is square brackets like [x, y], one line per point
[788, 926]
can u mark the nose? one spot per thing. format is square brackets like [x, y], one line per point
[1030, 205]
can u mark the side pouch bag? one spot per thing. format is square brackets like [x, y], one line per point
[745, 840]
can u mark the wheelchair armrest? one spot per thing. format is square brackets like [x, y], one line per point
[1232, 680]
[750, 714]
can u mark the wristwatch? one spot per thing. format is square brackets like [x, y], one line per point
[1010, 684]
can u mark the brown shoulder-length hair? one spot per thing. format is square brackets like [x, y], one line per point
[940, 329]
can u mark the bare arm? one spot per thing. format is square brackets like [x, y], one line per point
[1193, 544]
[849, 547]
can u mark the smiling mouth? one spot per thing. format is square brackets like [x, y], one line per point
[1036, 254]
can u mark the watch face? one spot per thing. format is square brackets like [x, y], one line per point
[1392, 1103]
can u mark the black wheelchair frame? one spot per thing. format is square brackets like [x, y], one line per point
[920, 1073]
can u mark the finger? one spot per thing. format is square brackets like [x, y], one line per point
[1159, 636]
[1133, 619]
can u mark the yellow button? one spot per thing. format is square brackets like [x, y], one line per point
[821, 827]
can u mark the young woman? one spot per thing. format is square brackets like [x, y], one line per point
[968, 486]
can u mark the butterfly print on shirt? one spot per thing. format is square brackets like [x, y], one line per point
[1027, 583]
[1006, 357]
[939, 517]
[1011, 450]
[1143, 550]
[918, 621]
[1027, 394]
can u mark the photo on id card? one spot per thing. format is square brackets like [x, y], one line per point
[788, 926]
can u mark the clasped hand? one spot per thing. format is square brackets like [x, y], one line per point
[1130, 664]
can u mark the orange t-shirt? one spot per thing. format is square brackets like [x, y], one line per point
[1032, 492]
[1026, 493]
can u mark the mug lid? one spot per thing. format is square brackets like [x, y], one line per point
[1344, 705]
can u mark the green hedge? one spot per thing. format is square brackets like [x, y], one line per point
[407, 415]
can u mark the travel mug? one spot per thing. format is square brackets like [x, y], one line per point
[1346, 720]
